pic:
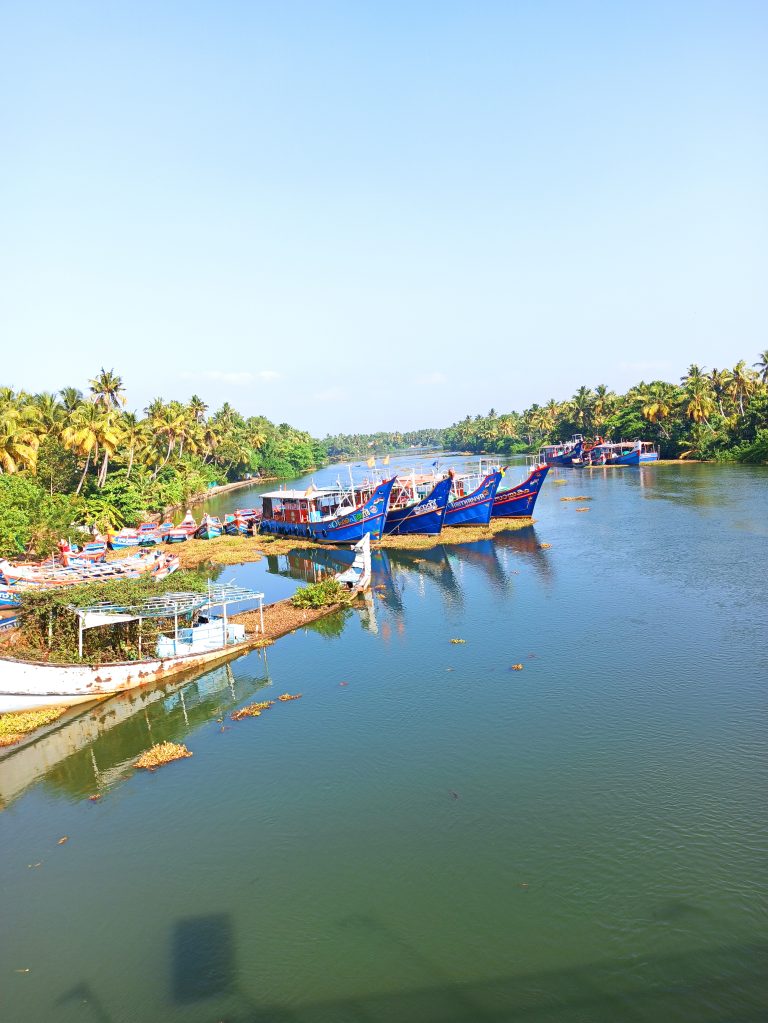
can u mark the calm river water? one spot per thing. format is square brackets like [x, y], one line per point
[428, 835]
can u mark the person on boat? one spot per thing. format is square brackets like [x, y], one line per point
[64, 552]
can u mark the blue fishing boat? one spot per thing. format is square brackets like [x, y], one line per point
[564, 454]
[410, 512]
[210, 527]
[8, 620]
[125, 538]
[624, 452]
[327, 515]
[518, 502]
[9, 599]
[472, 507]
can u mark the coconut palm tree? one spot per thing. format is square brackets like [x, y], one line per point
[762, 366]
[82, 435]
[71, 397]
[107, 389]
[742, 384]
[721, 380]
[197, 408]
[18, 442]
[658, 400]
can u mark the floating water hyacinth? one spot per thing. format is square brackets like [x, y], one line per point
[458, 641]
[544, 546]
[253, 710]
[287, 696]
[162, 753]
[582, 509]
[517, 667]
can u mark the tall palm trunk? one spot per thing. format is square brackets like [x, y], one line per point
[85, 473]
[103, 471]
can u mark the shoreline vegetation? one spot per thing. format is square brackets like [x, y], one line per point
[715, 415]
[72, 461]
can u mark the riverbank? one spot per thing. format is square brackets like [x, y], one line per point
[236, 550]
[223, 488]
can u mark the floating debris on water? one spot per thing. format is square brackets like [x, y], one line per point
[454, 795]
[15, 724]
[458, 641]
[517, 667]
[287, 696]
[253, 710]
[61, 841]
[544, 546]
[24, 969]
[94, 799]
[559, 483]
[31, 866]
[582, 509]
[162, 753]
[579, 497]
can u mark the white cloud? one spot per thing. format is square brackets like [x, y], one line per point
[238, 378]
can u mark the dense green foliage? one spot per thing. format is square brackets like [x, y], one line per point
[322, 594]
[722, 414]
[48, 629]
[83, 460]
[359, 445]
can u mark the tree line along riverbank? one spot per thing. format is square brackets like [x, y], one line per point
[81, 459]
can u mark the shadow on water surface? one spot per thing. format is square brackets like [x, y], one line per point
[694, 987]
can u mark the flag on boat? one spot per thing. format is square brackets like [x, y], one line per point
[385, 460]
[436, 463]
[371, 462]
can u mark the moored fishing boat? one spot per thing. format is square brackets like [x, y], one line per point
[149, 535]
[27, 685]
[210, 527]
[122, 539]
[9, 599]
[519, 501]
[185, 529]
[472, 507]
[329, 514]
[236, 525]
[564, 454]
[625, 452]
[418, 506]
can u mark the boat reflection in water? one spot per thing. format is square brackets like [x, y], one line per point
[87, 752]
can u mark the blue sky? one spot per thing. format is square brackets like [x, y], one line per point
[358, 216]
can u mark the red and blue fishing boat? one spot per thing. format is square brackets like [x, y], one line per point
[563, 455]
[472, 507]
[235, 525]
[411, 511]
[327, 515]
[185, 529]
[518, 502]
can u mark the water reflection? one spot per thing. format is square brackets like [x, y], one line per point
[94, 750]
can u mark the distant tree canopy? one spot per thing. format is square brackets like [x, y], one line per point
[721, 413]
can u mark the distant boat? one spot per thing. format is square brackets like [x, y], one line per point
[635, 452]
[328, 514]
[472, 507]
[564, 454]
[519, 501]
[413, 511]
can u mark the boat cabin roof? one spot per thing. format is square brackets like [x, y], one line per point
[298, 495]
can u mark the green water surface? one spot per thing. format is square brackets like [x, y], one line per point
[428, 835]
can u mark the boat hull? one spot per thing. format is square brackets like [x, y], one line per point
[518, 502]
[27, 685]
[634, 458]
[474, 509]
[344, 529]
[424, 517]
